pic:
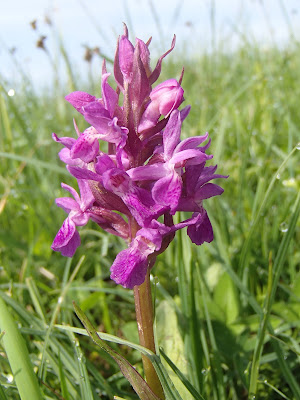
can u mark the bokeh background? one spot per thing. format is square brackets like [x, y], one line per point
[227, 312]
[200, 26]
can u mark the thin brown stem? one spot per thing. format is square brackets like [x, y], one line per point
[144, 317]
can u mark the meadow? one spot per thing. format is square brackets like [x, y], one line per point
[228, 312]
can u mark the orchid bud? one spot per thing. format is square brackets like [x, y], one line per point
[167, 96]
[164, 98]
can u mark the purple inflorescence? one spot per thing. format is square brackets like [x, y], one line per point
[147, 171]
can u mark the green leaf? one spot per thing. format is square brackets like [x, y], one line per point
[226, 296]
[18, 356]
[169, 338]
[63, 383]
[2, 394]
[182, 378]
[137, 382]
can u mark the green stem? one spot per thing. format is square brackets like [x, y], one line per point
[260, 338]
[144, 317]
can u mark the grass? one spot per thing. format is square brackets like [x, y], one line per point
[227, 313]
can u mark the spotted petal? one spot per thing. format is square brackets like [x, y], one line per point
[67, 239]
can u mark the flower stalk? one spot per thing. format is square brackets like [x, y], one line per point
[144, 318]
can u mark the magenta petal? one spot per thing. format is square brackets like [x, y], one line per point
[79, 100]
[188, 154]
[104, 163]
[148, 172]
[97, 115]
[191, 143]
[171, 135]
[167, 191]
[110, 97]
[144, 54]
[203, 178]
[150, 117]
[65, 156]
[66, 141]
[80, 219]
[139, 88]
[168, 95]
[138, 203]
[129, 268]
[117, 72]
[87, 146]
[87, 198]
[185, 112]
[67, 204]
[207, 191]
[72, 191]
[116, 181]
[126, 51]
[201, 231]
[82, 173]
[67, 239]
[154, 233]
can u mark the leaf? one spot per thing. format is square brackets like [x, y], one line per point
[182, 378]
[2, 394]
[170, 340]
[18, 356]
[137, 382]
[225, 295]
[167, 384]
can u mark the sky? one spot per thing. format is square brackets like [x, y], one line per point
[200, 25]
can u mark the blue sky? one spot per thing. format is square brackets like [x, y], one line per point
[98, 22]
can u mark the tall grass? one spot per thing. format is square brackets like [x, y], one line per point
[227, 313]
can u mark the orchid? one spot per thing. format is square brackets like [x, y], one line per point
[147, 173]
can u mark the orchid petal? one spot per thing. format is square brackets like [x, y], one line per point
[201, 231]
[67, 239]
[191, 143]
[66, 141]
[129, 268]
[83, 173]
[87, 146]
[110, 97]
[207, 191]
[65, 156]
[72, 191]
[67, 204]
[79, 100]
[126, 50]
[87, 198]
[166, 191]
[171, 134]
[188, 154]
[148, 172]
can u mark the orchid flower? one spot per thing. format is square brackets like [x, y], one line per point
[148, 173]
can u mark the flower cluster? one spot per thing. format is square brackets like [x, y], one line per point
[146, 171]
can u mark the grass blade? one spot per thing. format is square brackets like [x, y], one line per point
[18, 356]
[183, 379]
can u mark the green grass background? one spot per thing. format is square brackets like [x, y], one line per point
[227, 313]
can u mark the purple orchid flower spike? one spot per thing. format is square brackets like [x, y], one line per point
[146, 174]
